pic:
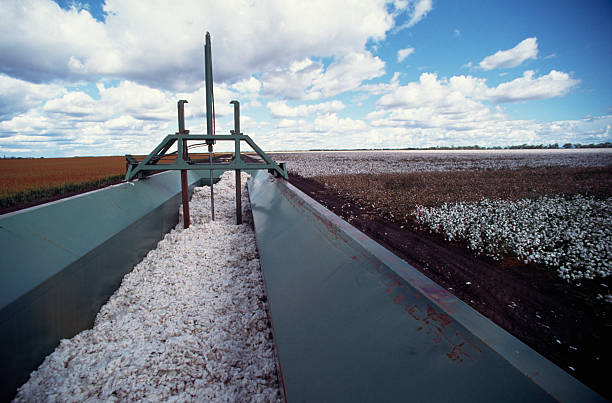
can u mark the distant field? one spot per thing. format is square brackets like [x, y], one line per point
[27, 181]
[19, 175]
[450, 193]
[311, 164]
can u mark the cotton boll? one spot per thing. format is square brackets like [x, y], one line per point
[569, 235]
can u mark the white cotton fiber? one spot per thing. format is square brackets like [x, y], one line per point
[187, 324]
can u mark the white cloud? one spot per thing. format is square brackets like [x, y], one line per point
[421, 8]
[129, 118]
[456, 108]
[330, 122]
[280, 109]
[404, 53]
[554, 84]
[526, 49]
[290, 123]
[161, 45]
[434, 103]
[346, 74]
[418, 10]
[293, 81]
[431, 90]
[381, 88]
[74, 104]
[308, 79]
[18, 96]
[249, 85]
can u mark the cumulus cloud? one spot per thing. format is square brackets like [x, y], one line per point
[152, 54]
[129, 98]
[458, 107]
[161, 45]
[441, 92]
[526, 49]
[248, 86]
[308, 79]
[388, 130]
[40, 42]
[553, 84]
[292, 82]
[346, 74]
[431, 102]
[381, 88]
[127, 118]
[18, 96]
[404, 53]
[280, 109]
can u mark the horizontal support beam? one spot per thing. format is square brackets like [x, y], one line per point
[179, 165]
[227, 137]
[150, 163]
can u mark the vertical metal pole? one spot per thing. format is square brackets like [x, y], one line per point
[236, 132]
[238, 198]
[209, 115]
[212, 193]
[209, 88]
[184, 184]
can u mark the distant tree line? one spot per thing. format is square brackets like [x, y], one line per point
[4, 157]
[524, 147]
[477, 147]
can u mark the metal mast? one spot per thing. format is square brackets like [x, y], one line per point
[210, 115]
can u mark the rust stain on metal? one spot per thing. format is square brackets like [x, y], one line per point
[433, 322]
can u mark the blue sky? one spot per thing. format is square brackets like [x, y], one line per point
[103, 77]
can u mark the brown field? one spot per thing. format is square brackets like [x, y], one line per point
[399, 193]
[25, 182]
[19, 175]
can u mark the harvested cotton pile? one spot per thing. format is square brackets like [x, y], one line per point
[187, 324]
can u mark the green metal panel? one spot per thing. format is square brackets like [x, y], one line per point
[353, 322]
[62, 261]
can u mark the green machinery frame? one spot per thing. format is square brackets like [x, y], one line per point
[182, 162]
[140, 169]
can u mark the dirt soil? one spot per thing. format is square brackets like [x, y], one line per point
[561, 322]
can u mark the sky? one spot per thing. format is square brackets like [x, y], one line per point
[104, 77]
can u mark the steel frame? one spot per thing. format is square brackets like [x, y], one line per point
[140, 169]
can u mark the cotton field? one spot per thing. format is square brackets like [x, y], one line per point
[572, 235]
[312, 164]
[187, 324]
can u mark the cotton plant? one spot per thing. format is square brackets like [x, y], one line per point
[572, 235]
